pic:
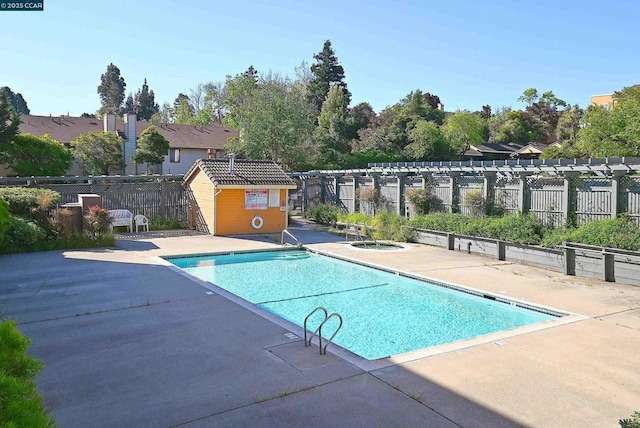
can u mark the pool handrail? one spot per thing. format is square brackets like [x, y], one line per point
[326, 314]
[286, 232]
[324, 350]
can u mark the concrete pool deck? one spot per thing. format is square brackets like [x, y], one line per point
[127, 341]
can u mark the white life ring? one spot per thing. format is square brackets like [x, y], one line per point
[257, 222]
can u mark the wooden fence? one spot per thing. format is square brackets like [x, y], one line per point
[156, 197]
[557, 199]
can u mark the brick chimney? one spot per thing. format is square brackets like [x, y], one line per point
[211, 153]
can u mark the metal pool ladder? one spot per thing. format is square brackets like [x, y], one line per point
[318, 330]
[286, 232]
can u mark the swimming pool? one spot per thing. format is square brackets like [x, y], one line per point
[384, 313]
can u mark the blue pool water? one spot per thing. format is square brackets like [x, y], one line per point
[384, 313]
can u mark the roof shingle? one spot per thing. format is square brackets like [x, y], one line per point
[66, 129]
[245, 173]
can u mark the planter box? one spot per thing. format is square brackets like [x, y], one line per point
[574, 259]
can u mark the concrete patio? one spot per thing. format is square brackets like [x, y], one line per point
[127, 341]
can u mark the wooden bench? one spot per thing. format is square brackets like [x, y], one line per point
[121, 218]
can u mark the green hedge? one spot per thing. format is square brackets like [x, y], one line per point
[6, 220]
[617, 232]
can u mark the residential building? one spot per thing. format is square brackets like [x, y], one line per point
[187, 143]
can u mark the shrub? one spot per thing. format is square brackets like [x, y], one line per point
[516, 228]
[23, 236]
[20, 405]
[475, 201]
[25, 201]
[391, 226]
[423, 200]
[98, 220]
[358, 218]
[5, 220]
[617, 232]
[161, 224]
[633, 422]
[372, 199]
[324, 214]
[62, 222]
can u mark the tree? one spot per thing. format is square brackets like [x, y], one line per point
[152, 147]
[111, 90]
[98, 153]
[569, 125]
[359, 117]
[145, 102]
[215, 96]
[432, 101]
[32, 155]
[326, 71]
[88, 115]
[9, 120]
[332, 124]
[427, 142]
[130, 104]
[614, 132]
[253, 74]
[241, 90]
[462, 129]
[183, 111]
[164, 114]
[16, 100]
[485, 113]
[272, 118]
[529, 96]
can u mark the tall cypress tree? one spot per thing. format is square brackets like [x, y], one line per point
[326, 71]
[111, 90]
[145, 102]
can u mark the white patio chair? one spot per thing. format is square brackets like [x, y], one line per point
[141, 221]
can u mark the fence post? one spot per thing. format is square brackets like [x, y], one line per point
[454, 192]
[323, 190]
[163, 200]
[402, 180]
[568, 203]
[608, 266]
[356, 181]
[489, 189]
[569, 261]
[305, 195]
[336, 188]
[616, 192]
[524, 196]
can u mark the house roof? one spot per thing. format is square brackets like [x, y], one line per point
[247, 173]
[66, 129]
[534, 147]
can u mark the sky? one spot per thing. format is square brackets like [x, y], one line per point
[469, 53]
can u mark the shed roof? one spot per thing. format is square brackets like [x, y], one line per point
[246, 173]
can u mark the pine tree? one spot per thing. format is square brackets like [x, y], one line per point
[130, 104]
[145, 102]
[9, 120]
[111, 90]
[326, 71]
[16, 100]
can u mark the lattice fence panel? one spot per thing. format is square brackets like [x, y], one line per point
[347, 193]
[468, 188]
[630, 198]
[441, 188]
[389, 193]
[547, 198]
[592, 199]
[507, 194]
